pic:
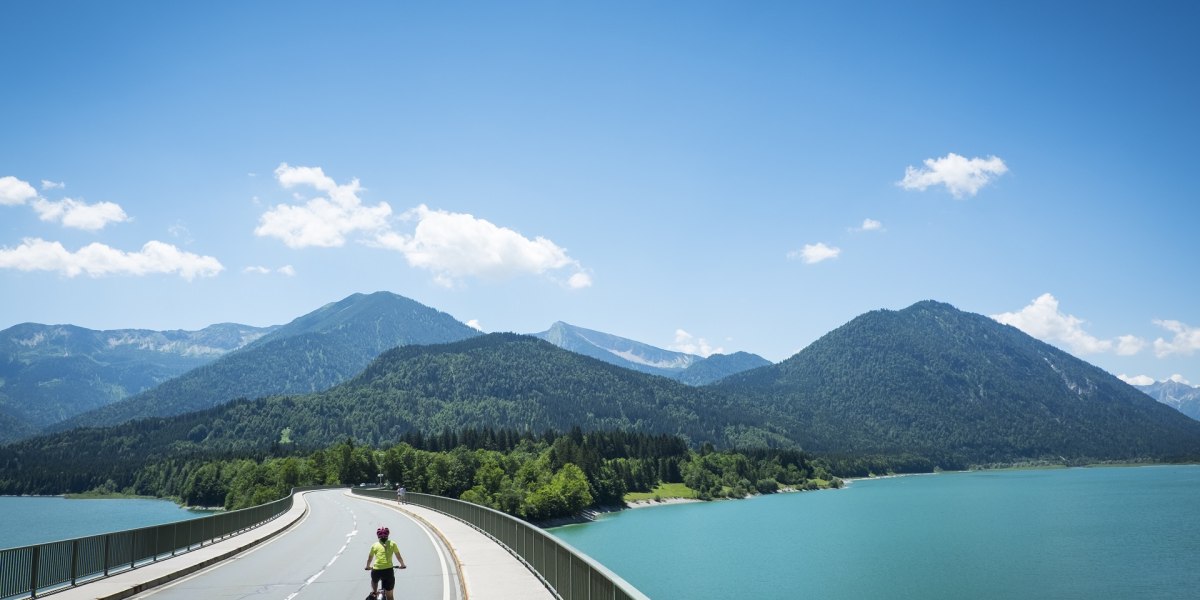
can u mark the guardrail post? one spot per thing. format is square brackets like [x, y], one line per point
[33, 573]
[74, 560]
[107, 538]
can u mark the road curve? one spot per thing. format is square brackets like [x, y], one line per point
[323, 557]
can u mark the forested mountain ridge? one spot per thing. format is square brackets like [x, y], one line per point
[496, 380]
[312, 353]
[928, 385]
[49, 373]
[716, 367]
[520, 382]
[963, 389]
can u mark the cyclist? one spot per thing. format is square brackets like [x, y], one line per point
[379, 563]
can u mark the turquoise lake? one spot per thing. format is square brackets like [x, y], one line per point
[28, 520]
[1113, 533]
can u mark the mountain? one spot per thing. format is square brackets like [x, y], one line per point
[617, 350]
[961, 388]
[499, 380]
[925, 385]
[1178, 395]
[312, 353]
[716, 367]
[688, 368]
[49, 373]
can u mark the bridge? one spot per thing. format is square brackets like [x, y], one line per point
[314, 546]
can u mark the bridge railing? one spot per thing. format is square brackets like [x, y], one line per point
[570, 573]
[29, 570]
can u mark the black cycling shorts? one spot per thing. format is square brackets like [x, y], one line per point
[385, 576]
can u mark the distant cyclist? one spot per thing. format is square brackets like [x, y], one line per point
[401, 494]
[379, 563]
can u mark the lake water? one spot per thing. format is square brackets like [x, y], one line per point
[32, 520]
[1113, 533]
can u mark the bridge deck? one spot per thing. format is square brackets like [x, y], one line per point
[489, 571]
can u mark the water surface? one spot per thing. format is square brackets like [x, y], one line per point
[26, 520]
[1119, 533]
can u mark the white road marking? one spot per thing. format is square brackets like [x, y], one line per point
[441, 558]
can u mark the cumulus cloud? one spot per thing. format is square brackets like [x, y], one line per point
[99, 260]
[870, 225]
[323, 221]
[458, 245]
[1185, 341]
[961, 175]
[79, 215]
[1136, 379]
[13, 191]
[257, 270]
[286, 271]
[474, 324]
[453, 246]
[1177, 378]
[579, 280]
[1128, 345]
[814, 253]
[52, 185]
[1042, 319]
[690, 344]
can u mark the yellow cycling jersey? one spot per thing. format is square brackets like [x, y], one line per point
[383, 551]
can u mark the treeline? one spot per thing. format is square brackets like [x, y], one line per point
[535, 477]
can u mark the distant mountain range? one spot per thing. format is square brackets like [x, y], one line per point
[688, 368]
[1178, 395]
[310, 354]
[57, 377]
[950, 388]
[49, 373]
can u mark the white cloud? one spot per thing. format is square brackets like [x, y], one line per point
[1043, 320]
[99, 260]
[79, 215]
[14, 191]
[52, 185]
[1136, 379]
[960, 175]
[870, 225]
[452, 246]
[458, 245]
[814, 253]
[1177, 378]
[687, 343]
[474, 324]
[286, 270]
[1128, 345]
[579, 281]
[325, 220]
[1185, 341]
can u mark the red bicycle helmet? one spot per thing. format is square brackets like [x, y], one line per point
[382, 532]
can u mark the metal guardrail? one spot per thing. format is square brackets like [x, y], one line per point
[572, 574]
[29, 570]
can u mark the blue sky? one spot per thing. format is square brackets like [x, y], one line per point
[710, 177]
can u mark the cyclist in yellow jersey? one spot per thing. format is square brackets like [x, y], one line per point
[379, 563]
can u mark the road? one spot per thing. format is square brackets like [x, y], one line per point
[323, 556]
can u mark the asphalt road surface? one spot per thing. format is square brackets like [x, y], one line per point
[322, 558]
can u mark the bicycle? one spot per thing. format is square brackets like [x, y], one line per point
[381, 594]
